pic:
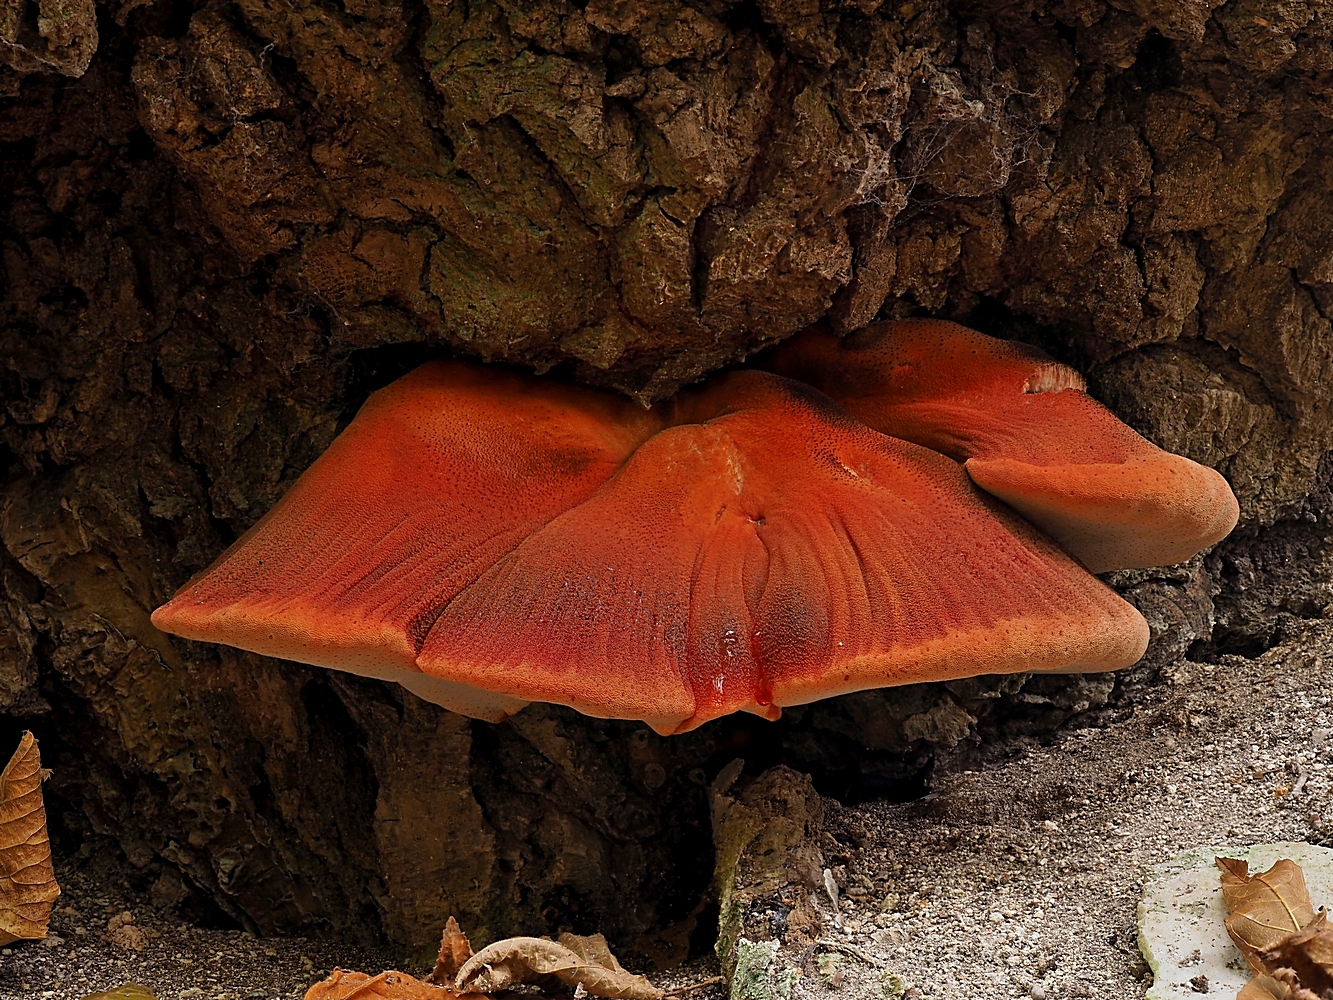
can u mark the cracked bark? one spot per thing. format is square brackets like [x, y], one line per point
[243, 217]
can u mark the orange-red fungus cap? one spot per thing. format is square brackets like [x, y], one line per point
[491, 540]
[440, 475]
[1027, 432]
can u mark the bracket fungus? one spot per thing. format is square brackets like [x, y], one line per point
[488, 539]
[1026, 431]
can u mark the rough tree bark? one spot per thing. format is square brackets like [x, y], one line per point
[225, 224]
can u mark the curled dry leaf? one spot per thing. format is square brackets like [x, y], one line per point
[1304, 960]
[1264, 988]
[573, 960]
[27, 881]
[455, 950]
[386, 986]
[1263, 908]
[585, 963]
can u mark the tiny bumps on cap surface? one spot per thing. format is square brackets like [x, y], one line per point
[487, 539]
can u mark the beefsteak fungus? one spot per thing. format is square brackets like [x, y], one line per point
[488, 539]
[1026, 431]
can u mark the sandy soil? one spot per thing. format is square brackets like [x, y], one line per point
[1015, 878]
[1022, 879]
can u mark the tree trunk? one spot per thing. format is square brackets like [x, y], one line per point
[225, 225]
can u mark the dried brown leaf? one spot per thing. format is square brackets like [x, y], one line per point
[27, 880]
[1263, 908]
[455, 950]
[1304, 960]
[592, 948]
[574, 961]
[1264, 988]
[130, 991]
[386, 986]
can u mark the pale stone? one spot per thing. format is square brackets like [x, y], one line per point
[1181, 930]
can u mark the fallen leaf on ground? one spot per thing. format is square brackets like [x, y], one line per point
[573, 960]
[130, 991]
[585, 963]
[1263, 908]
[593, 949]
[455, 950]
[1304, 960]
[1264, 988]
[27, 880]
[386, 986]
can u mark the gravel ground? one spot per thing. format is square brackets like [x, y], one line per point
[92, 948]
[1017, 878]
[1022, 879]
